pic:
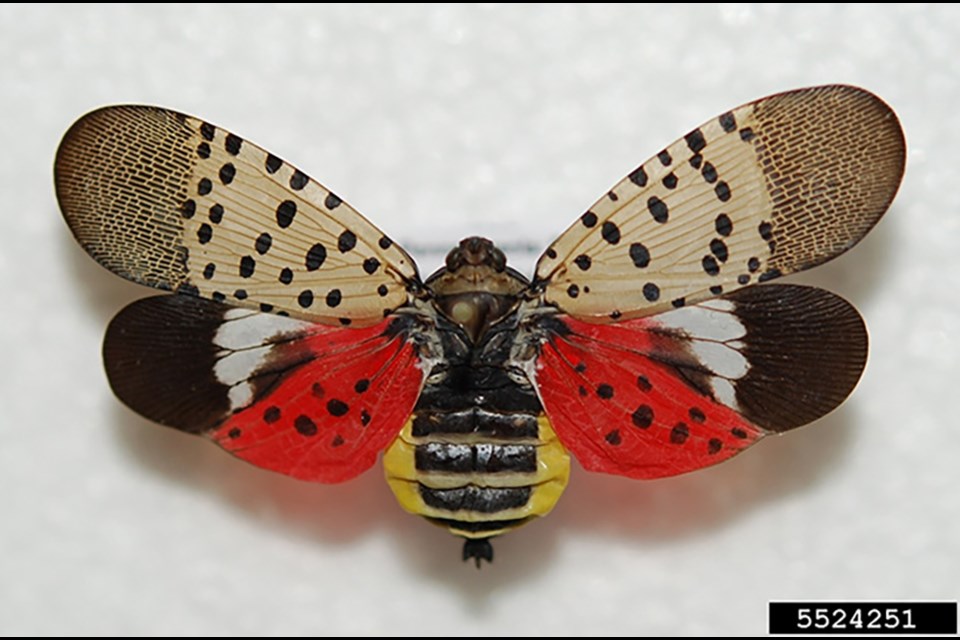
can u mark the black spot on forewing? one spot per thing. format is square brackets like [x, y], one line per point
[247, 266]
[724, 225]
[710, 265]
[728, 122]
[370, 265]
[589, 219]
[332, 201]
[766, 231]
[263, 243]
[233, 144]
[316, 256]
[298, 180]
[227, 173]
[346, 241]
[286, 211]
[658, 209]
[722, 190]
[610, 232]
[639, 255]
[273, 163]
[709, 172]
[696, 141]
[638, 177]
[769, 274]
[719, 249]
[651, 292]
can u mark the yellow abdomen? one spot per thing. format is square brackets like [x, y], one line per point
[475, 472]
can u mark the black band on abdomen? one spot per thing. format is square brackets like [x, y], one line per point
[510, 426]
[476, 458]
[478, 499]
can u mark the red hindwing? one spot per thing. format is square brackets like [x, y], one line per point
[328, 419]
[677, 391]
[619, 410]
[308, 400]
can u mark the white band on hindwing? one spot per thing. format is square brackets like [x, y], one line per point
[246, 339]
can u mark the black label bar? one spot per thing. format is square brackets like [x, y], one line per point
[863, 618]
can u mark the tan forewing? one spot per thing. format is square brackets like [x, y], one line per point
[773, 187]
[172, 202]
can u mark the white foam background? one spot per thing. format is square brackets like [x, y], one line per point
[439, 122]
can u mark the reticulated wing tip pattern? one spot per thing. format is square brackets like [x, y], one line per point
[173, 202]
[769, 188]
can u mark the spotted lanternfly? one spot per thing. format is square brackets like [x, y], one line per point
[303, 340]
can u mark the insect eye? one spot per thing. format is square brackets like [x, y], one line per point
[454, 259]
[498, 260]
